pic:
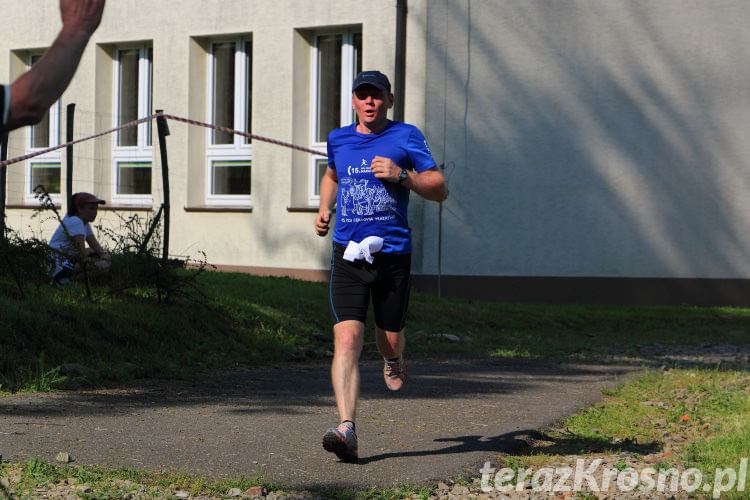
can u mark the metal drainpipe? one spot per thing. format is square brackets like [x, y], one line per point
[400, 69]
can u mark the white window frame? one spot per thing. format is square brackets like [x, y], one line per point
[143, 151]
[53, 157]
[241, 149]
[348, 61]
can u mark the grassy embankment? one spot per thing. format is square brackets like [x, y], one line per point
[240, 320]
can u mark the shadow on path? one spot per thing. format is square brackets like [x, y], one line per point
[453, 415]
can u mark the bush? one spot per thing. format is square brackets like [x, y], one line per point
[23, 262]
[135, 247]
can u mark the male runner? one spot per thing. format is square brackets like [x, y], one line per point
[373, 166]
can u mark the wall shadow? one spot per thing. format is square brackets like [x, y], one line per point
[590, 140]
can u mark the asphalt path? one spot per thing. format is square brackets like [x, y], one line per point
[452, 416]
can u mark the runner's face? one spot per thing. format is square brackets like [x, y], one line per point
[371, 105]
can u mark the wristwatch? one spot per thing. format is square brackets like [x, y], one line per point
[402, 176]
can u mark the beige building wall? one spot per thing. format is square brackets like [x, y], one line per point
[582, 139]
[278, 231]
[590, 138]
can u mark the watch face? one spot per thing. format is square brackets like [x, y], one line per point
[402, 176]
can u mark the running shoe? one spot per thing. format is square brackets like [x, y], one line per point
[342, 441]
[394, 373]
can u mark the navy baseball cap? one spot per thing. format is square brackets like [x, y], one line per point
[374, 78]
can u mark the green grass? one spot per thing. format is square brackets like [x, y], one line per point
[107, 483]
[586, 333]
[697, 403]
[710, 409]
[114, 483]
[241, 319]
[233, 320]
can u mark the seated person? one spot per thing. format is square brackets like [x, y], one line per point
[70, 250]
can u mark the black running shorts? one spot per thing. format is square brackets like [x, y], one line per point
[386, 280]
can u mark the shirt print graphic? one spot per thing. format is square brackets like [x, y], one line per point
[364, 199]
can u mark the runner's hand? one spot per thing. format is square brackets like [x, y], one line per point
[322, 221]
[81, 16]
[385, 169]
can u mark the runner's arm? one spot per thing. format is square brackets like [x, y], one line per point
[429, 184]
[36, 90]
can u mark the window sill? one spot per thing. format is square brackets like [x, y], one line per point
[219, 208]
[58, 206]
[29, 206]
[131, 208]
[304, 209]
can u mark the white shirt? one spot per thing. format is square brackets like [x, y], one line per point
[64, 244]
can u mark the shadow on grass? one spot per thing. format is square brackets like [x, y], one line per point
[575, 444]
[524, 443]
[707, 356]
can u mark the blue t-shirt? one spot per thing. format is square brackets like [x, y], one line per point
[365, 206]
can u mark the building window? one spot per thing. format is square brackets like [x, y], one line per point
[229, 156]
[134, 177]
[321, 164]
[44, 169]
[336, 60]
[47, 174]
[132, 151]
[230, 177]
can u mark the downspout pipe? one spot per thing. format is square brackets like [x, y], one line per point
[399, 76]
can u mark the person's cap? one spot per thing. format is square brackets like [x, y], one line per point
[374, 78]
[80, 199]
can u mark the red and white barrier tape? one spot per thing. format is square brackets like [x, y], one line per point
[244, 134]
[55, 148]
[170, 117]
